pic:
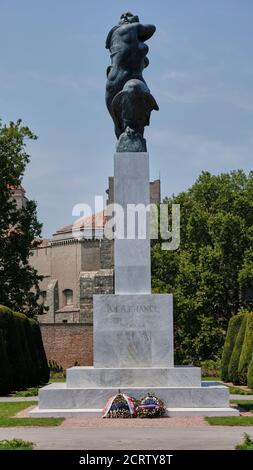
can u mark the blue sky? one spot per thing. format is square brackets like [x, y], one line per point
[53, 64]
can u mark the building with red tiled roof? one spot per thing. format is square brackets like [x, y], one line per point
[75, 268]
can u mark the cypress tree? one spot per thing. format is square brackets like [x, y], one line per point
[235, 357]
[232, 332]
[247, 350]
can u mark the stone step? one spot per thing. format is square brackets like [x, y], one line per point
[90, 413]
[86, 377]
[59, 396]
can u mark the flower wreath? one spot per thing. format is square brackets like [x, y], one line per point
[120, 406]
[150, 407]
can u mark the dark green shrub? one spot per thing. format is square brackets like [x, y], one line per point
[29, 367]
[250, 374]
[247, 350]
[235, 357]
[23, 361]
[41, 358]
[14, 349]
[5, 367]
[210, 368]
[232, 332]
[29, 349]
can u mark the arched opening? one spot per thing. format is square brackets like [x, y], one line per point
[43, 296]
[68, 296]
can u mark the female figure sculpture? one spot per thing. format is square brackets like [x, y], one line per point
[128, 97]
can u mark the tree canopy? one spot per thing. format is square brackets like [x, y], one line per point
[211, 274]
[19, 227]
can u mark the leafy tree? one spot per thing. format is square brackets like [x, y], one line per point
[19, 228]
[211, 273]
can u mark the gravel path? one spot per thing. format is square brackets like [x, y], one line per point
[184, 438]
[97, 422]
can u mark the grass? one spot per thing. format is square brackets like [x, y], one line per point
[16, 444]
[247, 443]
[247, 405]
[57, 376]
[230, 420]
[29, 392]
[239, 391]
[34, 391]
[8, 419]
[59, 379]
[211, 379]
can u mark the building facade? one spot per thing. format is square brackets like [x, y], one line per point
[74, 269]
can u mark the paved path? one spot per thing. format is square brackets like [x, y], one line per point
[12, 399]
[241, 397]
[213, 438]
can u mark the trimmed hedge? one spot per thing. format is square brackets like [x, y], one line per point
[23, 361]
[237, 358]
[247, 350]
[41, 358]
[232, 332]
[250, 374]
[5, 367]
[233, 373]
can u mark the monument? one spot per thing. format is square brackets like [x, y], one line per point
[133, 328]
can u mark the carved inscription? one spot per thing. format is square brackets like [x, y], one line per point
[137, 308]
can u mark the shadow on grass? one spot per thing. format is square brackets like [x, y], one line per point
[8, 410]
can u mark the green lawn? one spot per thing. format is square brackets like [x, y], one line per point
[247, 405]
[29, 392]
[55, 379]
[230, 420]
[8, 419]
[211, 379]
[34, 391]
[240, 391]
[16, 444]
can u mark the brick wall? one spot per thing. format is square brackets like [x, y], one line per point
[68, 343]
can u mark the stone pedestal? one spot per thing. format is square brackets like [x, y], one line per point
[133, 330]
[132, 255]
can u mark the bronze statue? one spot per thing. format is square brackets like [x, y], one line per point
[128, 97]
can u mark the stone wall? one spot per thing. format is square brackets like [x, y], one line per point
[68, 344]
[52, 302]
[154, 189]
[93, 282]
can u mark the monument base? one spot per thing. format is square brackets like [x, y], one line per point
[170, 412]
[208, 399]
[133, 353]
[90, 377]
